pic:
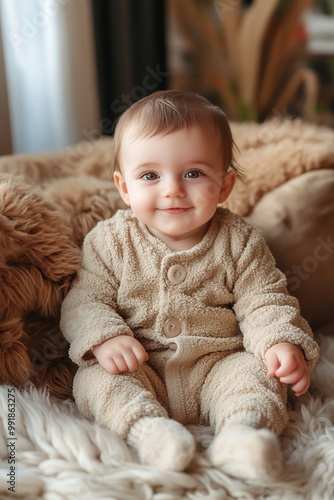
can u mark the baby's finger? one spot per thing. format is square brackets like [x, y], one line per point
[288, 366]
[111, 367]
[131, 361]
[301, 392]
[294, 376]
[140, 354]
[273, 363]
[120, 363]
[302, 385]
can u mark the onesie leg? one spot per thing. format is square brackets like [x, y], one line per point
[129, 404]
[118, 401]
[238, 390]
[247, 409]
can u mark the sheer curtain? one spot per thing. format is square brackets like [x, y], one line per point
[51, 72]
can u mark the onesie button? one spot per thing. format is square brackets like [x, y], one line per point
[172, 327]
[176, 274]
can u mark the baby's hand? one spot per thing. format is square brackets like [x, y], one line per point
[120, 354]
[286, 361]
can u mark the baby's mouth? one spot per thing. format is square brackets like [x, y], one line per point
[175, 211]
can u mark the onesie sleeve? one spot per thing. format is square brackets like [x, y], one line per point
[89, 313]
[266, 312]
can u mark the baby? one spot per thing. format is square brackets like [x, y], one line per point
[178, 314]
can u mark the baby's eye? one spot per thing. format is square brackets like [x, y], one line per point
[193, 174]
[150, 176]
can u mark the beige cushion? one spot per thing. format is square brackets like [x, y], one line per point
[297, 221]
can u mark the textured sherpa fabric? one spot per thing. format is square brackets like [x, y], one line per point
[273, 152]
[228, 297]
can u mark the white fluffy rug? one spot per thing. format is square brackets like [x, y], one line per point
[58, 455]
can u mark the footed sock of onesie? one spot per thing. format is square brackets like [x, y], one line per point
[162, 443]
[245, 452]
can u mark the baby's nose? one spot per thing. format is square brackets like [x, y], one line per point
[173, 188]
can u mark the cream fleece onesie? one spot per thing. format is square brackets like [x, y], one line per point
[206, 317]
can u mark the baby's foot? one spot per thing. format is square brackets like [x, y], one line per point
[246, 452]
[162, 443]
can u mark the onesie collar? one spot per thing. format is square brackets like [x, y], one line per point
[200, 248]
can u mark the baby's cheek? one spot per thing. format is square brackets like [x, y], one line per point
[207, 196]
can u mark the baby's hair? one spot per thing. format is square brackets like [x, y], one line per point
[166, 111]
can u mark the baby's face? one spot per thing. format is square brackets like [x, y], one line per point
[174, 182]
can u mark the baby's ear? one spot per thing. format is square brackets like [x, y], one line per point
[227, 185]
[122, 187]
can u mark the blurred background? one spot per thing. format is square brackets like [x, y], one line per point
[69, 68]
